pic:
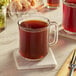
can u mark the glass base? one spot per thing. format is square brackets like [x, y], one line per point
[66, 34]
[69, 32]
[22, 63]
[52, 7]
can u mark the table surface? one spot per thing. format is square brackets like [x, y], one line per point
[9, 41]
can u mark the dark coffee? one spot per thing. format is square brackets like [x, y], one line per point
[33, 39]
[53, 3]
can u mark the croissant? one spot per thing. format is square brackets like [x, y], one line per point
[26, 5]
[19, 5]
[36, 3]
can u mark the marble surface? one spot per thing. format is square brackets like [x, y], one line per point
[9, 41]
[23, 64]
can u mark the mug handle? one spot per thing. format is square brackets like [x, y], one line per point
[54, 27]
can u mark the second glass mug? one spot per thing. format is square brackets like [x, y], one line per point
[69, 16]
[53, 3]
[34, 37]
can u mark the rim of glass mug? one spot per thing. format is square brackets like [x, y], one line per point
[39, 18]
[69, 4]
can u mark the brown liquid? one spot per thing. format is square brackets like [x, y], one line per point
[53, 3]
[33, 43]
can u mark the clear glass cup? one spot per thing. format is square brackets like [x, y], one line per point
[34, 33]
[69, 16]
[53, 3]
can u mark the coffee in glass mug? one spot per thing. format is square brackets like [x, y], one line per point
[34, 37]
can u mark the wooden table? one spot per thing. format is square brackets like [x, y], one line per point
[9, 41]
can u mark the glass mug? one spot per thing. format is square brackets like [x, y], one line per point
[34, 37]
[69, 16]
[53, 3]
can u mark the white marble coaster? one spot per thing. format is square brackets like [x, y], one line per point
[65, 34]
[47, 62]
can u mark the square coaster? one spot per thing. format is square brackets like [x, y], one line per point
[65, 34]
[47, 62]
